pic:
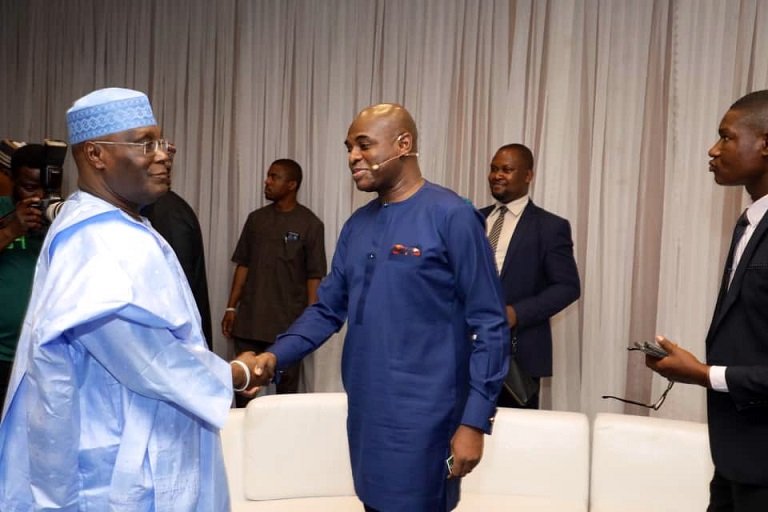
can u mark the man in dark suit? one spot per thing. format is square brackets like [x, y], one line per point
[736, 372]
[177, 222]
[534, 254]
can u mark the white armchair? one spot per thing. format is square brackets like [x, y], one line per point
[290, 453]
[649, 465]
[534, 461]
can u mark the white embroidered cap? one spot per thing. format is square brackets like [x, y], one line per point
[107, 111]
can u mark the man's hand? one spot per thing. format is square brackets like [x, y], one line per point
[262, 366]
[239, 376]
[467, 450]
[28, 217]
[227, 322]
[679, 366]
[511, 316]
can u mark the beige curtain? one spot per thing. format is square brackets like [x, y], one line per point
[619, 100]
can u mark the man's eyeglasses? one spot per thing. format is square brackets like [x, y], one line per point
[150, 147]
[655, 406]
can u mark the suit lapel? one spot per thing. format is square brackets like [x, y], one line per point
[523, 230]
[727, 298]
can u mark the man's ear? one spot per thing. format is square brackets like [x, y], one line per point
[94, 155]
[764, 146]
[405, 142]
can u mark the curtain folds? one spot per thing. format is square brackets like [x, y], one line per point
[618, 99]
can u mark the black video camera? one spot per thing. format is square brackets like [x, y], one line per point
[51, 178]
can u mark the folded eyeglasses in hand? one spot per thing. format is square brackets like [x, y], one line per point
[650, 348]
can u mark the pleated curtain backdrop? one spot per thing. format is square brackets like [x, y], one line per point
[618, 99]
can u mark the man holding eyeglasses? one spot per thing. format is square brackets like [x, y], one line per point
[115, 402]
[736, 371]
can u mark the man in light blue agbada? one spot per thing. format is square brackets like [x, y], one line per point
[114, 403]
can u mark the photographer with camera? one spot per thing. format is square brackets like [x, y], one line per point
[21, 238]
[7, 147]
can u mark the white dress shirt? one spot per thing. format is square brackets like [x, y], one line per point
[755, 213]
[515, 209]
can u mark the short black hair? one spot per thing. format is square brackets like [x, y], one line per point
[525, 153]
[293, 168]
[31, 155]
[754, 106]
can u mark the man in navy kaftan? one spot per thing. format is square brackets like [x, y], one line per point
[426, 348]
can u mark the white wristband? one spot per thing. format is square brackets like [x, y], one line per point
[247, 375]
[234, 310]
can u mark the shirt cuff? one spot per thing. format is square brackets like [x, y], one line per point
[479, 412]
[717, 378]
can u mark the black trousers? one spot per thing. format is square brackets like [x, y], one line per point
[728, 496]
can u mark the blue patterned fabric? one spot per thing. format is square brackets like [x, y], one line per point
[108, 111]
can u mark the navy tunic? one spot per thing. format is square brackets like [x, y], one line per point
[426, 346]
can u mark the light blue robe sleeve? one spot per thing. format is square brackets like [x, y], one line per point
[154, 363]
[139, 320]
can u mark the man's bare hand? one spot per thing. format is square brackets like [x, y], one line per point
[262, 366]
[27, 217]
[240, 377]
[511, 316]
[467, 450]
[679, 366]
[227, 323]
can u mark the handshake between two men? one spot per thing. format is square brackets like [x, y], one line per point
[251, 371]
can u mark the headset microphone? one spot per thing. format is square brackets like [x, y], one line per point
[376, 167]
